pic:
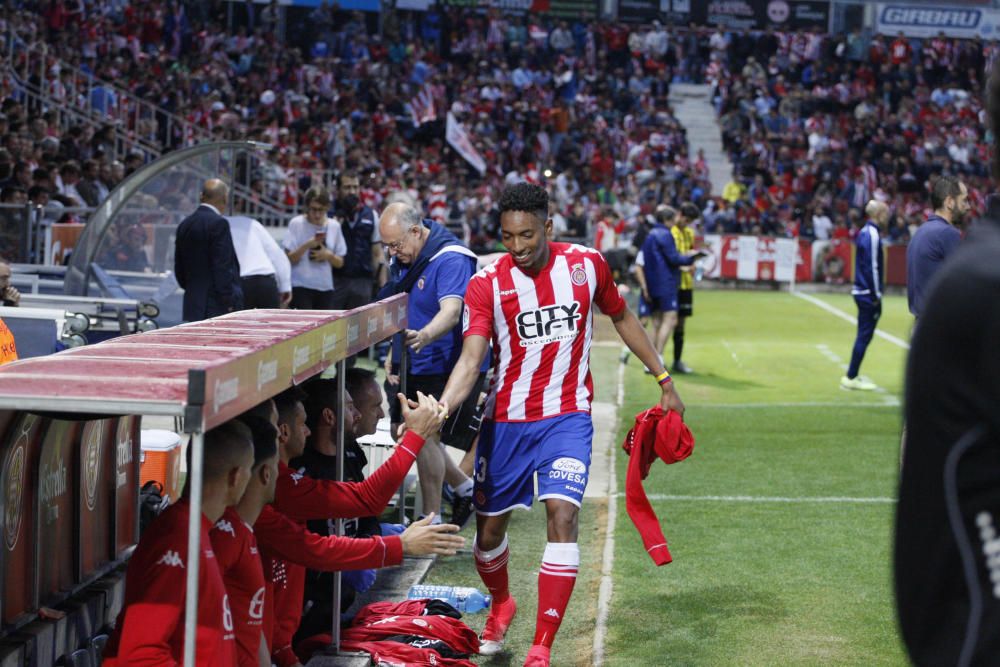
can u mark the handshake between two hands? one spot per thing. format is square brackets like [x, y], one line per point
[424, 417]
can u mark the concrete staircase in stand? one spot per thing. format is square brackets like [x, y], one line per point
[692, 105]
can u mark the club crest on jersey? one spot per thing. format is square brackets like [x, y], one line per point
[421, 282]
[548, 324]
[578, 275]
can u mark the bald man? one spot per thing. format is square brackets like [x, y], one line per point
[205, 261]
[430, 264]
[869, 273]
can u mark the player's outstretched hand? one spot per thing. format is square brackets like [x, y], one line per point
[671, 400]
[424, 416]
[421, 538]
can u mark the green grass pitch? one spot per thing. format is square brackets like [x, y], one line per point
[780, 523]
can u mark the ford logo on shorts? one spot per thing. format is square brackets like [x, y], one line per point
[566, 464]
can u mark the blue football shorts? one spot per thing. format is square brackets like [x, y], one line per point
[644, 309]
[663, 304]
[509, 453]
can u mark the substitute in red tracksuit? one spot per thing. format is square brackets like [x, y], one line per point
[236, 545]
[150, 627]
[301, 498]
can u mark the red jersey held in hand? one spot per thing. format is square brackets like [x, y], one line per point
[235, 549]
[150, 627]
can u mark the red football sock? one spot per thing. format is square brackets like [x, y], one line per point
[555, 585]
[492, 568]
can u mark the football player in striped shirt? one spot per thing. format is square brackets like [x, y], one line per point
[536, 306]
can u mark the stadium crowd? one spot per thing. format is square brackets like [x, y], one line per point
[581, 107]
[567, 105]
[817, 125]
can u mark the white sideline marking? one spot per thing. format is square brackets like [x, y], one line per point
[608, 560]
[853, 320]
[891, 402]
[835, 358]
[774, 499]
[732, 353]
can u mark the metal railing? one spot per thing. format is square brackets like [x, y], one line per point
[46, 83]
[148, 125]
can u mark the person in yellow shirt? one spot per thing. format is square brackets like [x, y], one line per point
[734, 190]
[8, 349]
[684, 240]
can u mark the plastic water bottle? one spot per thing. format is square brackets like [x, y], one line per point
[463, 598]
[699, 271]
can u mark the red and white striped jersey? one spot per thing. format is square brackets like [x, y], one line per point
[541, 328]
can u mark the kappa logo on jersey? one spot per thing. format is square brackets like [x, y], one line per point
[171, 559]
[387, 619]
[548, 324]
[225, 527]
[257, 604]
[297, 477]
[552, 612]
[578, 275]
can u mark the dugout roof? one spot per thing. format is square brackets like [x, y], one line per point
[206, 372]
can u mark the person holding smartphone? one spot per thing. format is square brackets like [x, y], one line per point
[314, 243]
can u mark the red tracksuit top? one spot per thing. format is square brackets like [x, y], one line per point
[654, 435]
[243, 574]
[150, 627]
[301, 498]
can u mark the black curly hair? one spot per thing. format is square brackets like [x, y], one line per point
[527, 198]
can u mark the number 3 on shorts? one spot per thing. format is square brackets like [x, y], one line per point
[481, 470]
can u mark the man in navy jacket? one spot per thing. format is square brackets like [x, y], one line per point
[935, 239]
[661, 267]
[205, 261]
[869, 276]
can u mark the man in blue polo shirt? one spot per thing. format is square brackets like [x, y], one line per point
[869, 272]
[661, 267]
[430, 264]
[935, 239]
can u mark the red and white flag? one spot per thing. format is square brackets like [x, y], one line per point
[422, 106]
[459, 139]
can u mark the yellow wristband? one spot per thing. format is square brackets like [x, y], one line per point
[662, 377]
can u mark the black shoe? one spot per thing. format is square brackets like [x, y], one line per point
[461, 510]
[682, 368]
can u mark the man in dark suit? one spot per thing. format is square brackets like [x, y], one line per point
[205, 262]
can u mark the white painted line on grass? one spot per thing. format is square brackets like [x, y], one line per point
[774, 499]
[732, 353]
[835, 358]
[831, 355]
[853, 320]
[608, 561]
[891, 402]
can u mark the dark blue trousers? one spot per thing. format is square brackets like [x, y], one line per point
[868, 314]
